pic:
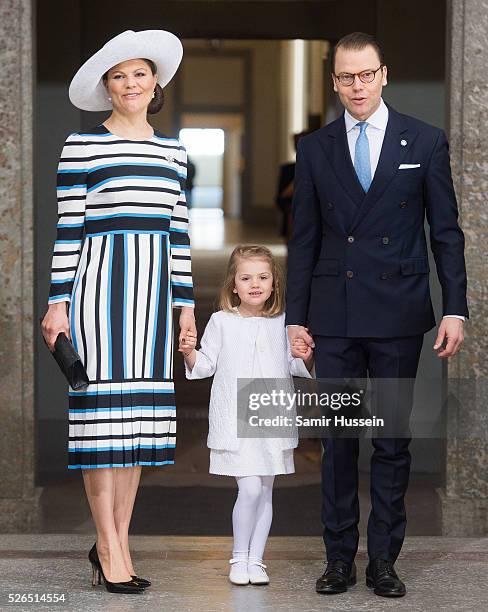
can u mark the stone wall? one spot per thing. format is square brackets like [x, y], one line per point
[464, 499]
[18, 495]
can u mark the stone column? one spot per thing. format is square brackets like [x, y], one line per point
[464, 500]
[19, 498]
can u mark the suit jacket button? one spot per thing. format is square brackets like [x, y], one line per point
[403, 205]
[349, 274]
[330, 206]
[384, 276]
[386, 240]
[350, 238]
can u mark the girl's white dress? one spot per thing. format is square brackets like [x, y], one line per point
[244, 347]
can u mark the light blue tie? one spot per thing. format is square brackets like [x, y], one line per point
[362, 163]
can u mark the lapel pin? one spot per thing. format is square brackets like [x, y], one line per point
[403, 143]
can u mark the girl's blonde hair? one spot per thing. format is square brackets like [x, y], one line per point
[275, 304]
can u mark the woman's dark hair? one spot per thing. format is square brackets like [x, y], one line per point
[157, 102]
[357, 41]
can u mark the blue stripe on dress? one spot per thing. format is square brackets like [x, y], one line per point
[94, 134]
[156, 309]
[58, 297]
[168, 167]
[72, 313]
[124, 232]
[101, 449]
[152, 409]
[115, 215]
[168, 358]
[112, 465]
[124, 335]
[121, 392]
[130, 176]
[109, 302]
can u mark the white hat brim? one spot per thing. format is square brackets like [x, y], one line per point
[87, 91]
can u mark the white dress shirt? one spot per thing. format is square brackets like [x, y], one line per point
[375, 131]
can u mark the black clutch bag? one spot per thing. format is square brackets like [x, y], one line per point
[70, 363]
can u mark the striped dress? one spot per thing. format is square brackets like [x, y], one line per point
[122, 260]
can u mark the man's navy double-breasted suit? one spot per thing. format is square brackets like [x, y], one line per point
[358, 278]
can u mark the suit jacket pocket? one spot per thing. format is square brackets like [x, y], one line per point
[415, 265]
[326, 267]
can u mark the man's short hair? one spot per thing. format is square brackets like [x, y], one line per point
[357, 41]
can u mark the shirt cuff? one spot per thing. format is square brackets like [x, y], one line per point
[454, 317]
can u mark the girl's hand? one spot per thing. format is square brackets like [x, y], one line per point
[54, 322]
[298, 345]
[304, 351]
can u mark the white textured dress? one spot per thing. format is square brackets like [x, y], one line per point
[235, 347]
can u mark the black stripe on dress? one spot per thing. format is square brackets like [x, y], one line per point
[137, 264]
[148, 301]
[82, 301]
[161, 321]
[117, 307]
[98, 339]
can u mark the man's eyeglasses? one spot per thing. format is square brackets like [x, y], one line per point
[366, 76]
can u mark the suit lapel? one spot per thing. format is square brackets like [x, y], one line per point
[391, 156]
[336, 148]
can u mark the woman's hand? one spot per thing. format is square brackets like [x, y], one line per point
[187, 323]
[188, 336]
[55, 321]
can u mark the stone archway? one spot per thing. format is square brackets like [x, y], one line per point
[464, 498]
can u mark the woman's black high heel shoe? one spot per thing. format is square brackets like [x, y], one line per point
[141, 581]
[112, 587]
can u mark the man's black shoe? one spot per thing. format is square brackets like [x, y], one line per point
[337, 577]
[381, 576]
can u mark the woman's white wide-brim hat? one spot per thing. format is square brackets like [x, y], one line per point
[87, 91]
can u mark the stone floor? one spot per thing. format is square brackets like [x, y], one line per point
[190, 575]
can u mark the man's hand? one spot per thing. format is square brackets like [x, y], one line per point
[451, 330]
[294, 333]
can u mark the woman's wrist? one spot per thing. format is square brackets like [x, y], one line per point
[58, 306]
[188, 310]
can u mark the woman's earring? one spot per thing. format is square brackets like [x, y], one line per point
[154, 93]
[110, 99]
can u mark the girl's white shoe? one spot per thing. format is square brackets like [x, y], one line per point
[257, 573]
[238, 571]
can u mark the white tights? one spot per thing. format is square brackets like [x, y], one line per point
[252, 516]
